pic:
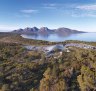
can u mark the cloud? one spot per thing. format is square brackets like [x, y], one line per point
[59, 6]
[4, 28]
[26, 13]
[74, 10]
[23, 15]
[50, 6]
[87, 10]
[29, 11]
[78, 15]
[87, 7]
[93, 15]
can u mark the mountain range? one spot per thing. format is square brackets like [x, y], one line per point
[45, 31]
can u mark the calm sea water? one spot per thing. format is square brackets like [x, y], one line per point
[58, 38]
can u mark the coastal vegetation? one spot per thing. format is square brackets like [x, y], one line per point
[27, 70]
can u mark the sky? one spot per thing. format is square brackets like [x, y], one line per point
[74, 14]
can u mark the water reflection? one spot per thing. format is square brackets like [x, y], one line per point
[59, 37]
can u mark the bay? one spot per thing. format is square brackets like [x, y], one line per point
[90, 37]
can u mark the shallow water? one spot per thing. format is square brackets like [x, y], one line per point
[58, 38]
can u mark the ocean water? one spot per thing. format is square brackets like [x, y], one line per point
[59, 38]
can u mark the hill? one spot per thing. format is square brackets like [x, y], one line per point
[45, 30]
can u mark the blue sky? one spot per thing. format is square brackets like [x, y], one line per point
[74, 14]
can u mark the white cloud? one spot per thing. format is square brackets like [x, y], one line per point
[84, 15]
[4, 28]
[74, 10]
[59, 6]
[50, 6]
[26, 13]
[23, 15]
[88, 10]
[29, 11]
[87, 7]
